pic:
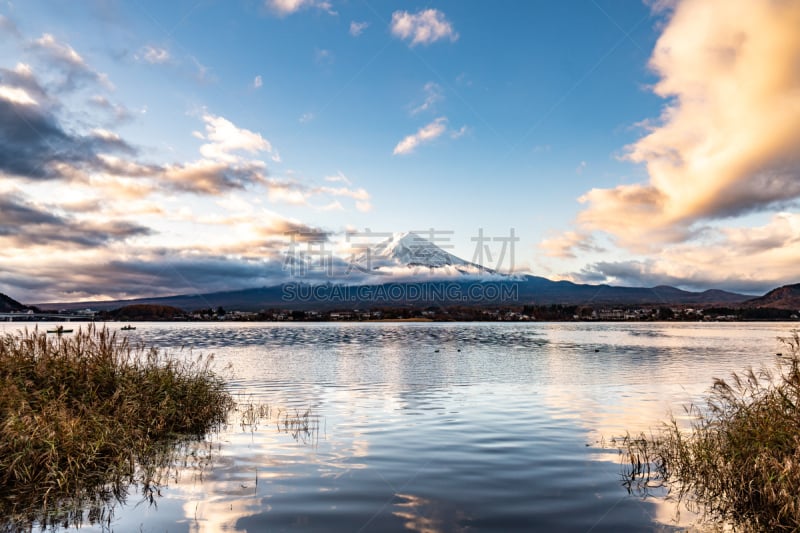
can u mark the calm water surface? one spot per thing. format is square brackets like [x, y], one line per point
[440, 427]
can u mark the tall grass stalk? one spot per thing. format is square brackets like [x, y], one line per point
[739, 463]
[84, 416]
[303, 426]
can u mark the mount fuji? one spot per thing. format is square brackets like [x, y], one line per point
[407, 252]
[408, 270]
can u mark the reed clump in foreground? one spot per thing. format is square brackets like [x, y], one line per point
[83, 416]
[740, 461]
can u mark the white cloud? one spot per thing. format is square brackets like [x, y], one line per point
[335, 205]
[202, 73]
[124, 167]
[106, 135]
[119, 112]
[65, 58]
[565, 245]
[321, 55]
[425, 134]
[658, 6]
[226, 138]
[433, 93]
[258, 82]
[16, 95]
[295, 193]
[287, 7]
[236, 204]
[24, 70]
[60, 51]
[153, 55]
[424, 27]
[358, 194]
[305, 118]
[357, 28]
[214, 177]
[580, 168]
[460, 132]
[287, 195]
[338, 178]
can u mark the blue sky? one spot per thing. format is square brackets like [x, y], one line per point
[196, 133]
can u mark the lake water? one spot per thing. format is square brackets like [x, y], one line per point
[439, 427]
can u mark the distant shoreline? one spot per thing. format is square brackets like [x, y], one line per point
[74, 320]
[387, 320]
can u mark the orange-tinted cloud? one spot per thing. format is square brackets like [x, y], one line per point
[726, 144]
[754, 259]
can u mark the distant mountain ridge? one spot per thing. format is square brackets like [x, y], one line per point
[9, 305]
[524, 290]
[410, 270]
[786, 297]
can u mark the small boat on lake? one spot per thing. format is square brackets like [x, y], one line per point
[128, 328]
[59, 330]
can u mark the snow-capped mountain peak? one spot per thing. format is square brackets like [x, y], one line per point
[411, 250]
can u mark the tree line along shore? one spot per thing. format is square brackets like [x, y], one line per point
[452, 313]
